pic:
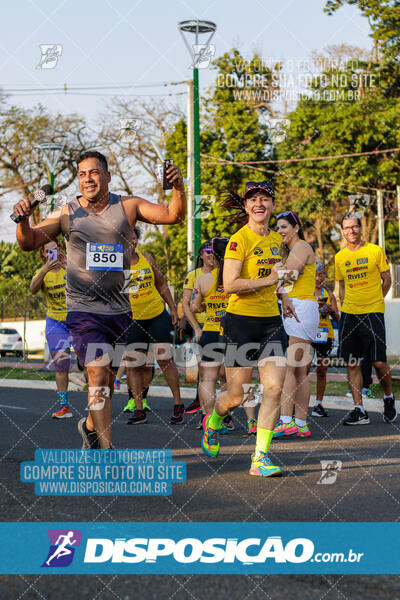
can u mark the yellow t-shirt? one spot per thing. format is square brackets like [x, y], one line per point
[216, 301]
[361, 272]
[258, 255]
[53, 287]
[146, 302]
[324, 319]
[304, 286]
[190, 280]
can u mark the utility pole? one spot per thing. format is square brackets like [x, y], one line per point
[381, 223]
[190, 177]
[196, 27]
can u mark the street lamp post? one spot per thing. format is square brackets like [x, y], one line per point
[197, 53]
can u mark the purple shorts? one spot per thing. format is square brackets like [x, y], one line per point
[94, 335]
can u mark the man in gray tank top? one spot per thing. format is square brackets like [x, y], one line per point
[97, 227]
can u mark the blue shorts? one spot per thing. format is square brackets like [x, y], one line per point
[59, 343]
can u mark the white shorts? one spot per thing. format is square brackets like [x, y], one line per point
[308, 313]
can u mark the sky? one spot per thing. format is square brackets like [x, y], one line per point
[116, 42]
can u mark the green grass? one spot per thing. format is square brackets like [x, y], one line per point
[333, 388]
[18, 373]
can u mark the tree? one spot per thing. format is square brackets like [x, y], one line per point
[231, 129]
[21, 166]
[358, 119]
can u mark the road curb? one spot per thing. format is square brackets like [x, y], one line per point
[330, 402]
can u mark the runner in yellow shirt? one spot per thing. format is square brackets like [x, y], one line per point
[362, 271]
[50, 279]
[324, 341]
[205, 263]
[252, 327]
[209, 292]
[299, 274]
[150, 332]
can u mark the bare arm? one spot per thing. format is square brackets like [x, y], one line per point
[341, 291]
[186, 297]
[36, 283]
[200, 289]
[333, 308]
[386, 282]
[30, 238]
[234, 284]
[298, 257]
[139, 209]
[163, 289]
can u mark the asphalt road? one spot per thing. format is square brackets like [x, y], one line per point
[367, 488]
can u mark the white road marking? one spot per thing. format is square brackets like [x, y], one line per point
[16, 407]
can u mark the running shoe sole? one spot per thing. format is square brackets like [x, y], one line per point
[362, 422]
[67, 415]
[274, 473]
[85, 439]
[192, 410]
[385, 418]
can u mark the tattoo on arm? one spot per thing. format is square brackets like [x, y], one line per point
[194, 294]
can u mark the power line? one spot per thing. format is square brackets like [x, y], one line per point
[89, 87]
[286, 160]
[328, 183]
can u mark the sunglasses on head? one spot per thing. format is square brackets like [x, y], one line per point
[207, 250]
[286, 213]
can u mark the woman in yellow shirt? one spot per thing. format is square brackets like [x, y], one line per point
[51, 279]
[209, 292]
[299, 282]
[324, 341]
[150, 331]
[252, 327]
[205, 263]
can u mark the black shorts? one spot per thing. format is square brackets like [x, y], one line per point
[212, 347]
[157, 330]
[250, 339]
[323, 352]
[362, 335]
[324, 349]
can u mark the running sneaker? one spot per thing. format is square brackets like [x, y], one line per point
[366, 393]
[90, 441]
[130, 407]
[228, 423]
[251, 427]
[62, 413]
[193, 407]
[210, 443]
[303, 431]
[389, 411]
[319, 411]
[117, 384]
[138, 417]
[349, 394]
[282, 429]
[263, 466]
[178, 415]
[356, 417]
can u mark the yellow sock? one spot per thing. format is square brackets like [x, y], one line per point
[263, 440]
[215, 420]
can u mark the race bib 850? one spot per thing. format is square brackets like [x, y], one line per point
[104, 257]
